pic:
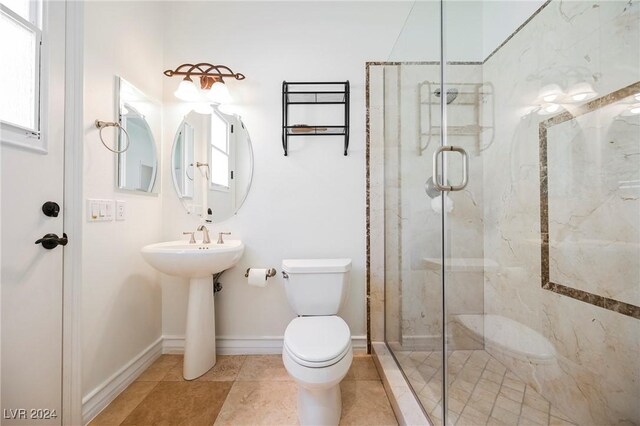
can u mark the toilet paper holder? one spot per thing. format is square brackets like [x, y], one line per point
[270, 273]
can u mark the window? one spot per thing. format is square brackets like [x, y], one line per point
[20, 51]
[219, 153]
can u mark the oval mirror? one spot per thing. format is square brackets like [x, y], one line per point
[212, 164]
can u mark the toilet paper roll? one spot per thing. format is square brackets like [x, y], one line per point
[258, 277]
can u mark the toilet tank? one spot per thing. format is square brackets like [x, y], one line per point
[316, 286]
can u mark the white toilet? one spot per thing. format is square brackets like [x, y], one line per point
[317, 345]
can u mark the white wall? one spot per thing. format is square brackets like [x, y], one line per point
[121, 297]
[309, 204]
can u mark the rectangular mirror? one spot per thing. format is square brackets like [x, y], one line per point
[138, 115]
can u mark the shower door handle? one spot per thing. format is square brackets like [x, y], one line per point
[440, 186]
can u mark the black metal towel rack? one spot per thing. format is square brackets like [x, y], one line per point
[299, 93]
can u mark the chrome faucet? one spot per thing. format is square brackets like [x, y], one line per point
[205, 234]
[220, 234]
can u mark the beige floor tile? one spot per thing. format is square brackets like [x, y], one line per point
[263, 367]
[559, 414]
[365, 403]
[488, 385]
[418, 357]
[226, 370]
[260, 403]
[495, 366]
[159, 368]
[508, 404]
[180, 403]
[504, 416]
[512, 394]
[513, 384]
[535, 400]
[492, 376]
[456, 405]
[472, 417]
[484, 406]
[362, 368]
[556, 421]
[534, 415]
[124, 404]
[495, 422]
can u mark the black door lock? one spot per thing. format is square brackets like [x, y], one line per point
[51, 209]
[51, 241]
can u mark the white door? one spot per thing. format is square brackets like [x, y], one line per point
[32, 166]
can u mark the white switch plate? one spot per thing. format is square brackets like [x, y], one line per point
[99, 210]
[121, 210]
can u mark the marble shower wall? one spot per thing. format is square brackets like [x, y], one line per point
[412, 224]
[592, 369]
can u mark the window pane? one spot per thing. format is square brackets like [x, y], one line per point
[19, 7]
[17, 73]
[218, 133]
[219, 168]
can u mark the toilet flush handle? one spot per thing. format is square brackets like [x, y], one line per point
[285, 275]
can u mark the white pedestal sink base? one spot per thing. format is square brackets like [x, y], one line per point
[200, 339]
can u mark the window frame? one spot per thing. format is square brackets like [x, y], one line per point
[212, 185]
[14, 134]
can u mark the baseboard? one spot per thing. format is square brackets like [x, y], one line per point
[254, 345]
[96, 400]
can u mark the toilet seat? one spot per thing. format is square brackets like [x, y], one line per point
[318, 341]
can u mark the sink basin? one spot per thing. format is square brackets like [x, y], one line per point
[198, 262]
[181, 259]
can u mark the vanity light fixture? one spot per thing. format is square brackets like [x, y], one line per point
[212, 86]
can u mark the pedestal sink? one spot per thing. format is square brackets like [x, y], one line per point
[198, 262]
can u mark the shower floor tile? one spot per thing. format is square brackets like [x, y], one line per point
[482, 391]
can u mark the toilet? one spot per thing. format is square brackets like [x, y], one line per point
[317, 349]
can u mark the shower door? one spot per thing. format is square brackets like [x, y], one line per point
[512, 210]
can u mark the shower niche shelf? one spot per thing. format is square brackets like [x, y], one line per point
[464, 101]
[314, 93]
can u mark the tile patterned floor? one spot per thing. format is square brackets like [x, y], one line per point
[239, 390]
[482, 391]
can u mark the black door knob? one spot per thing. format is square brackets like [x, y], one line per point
[51, 209]
[51, 241]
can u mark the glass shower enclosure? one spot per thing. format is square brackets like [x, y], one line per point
[511, 137]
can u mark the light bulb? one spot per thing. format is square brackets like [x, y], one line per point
[219, 93]
[550, 92]
[550, 108]
[582, 92]
[187, 91]
[632, 110]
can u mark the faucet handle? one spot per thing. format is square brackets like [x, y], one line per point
[192, 240]
[220, 234]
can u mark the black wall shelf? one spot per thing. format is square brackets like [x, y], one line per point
[299, 93]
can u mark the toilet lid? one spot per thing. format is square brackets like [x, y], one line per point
[317, 339]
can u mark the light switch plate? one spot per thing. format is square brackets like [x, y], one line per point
[99, 210]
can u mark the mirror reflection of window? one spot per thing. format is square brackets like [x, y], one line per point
[219, 153]
[139, 160]
[183, 161]
[137, 167]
